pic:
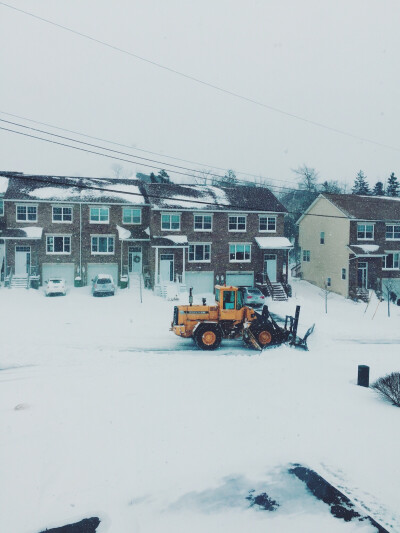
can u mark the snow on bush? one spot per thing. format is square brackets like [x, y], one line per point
[389, 387]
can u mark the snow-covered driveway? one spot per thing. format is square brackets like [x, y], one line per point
[106, 413]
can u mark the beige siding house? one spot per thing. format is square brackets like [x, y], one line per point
[351, 244]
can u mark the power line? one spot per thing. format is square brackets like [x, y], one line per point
[112, 156]
[244, 173]
[204, 83]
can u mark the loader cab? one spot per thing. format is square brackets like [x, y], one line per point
[229, 301]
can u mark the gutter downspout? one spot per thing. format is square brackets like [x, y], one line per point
[80, 242]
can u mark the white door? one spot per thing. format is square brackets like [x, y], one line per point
[167, 267]
[270, 267]
[135, 259]
[22, 260]
[93, 269]
[59, 270]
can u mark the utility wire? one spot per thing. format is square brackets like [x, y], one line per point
[244, 173]
[204, 83]
[113, 156]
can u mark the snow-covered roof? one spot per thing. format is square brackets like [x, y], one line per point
[269, 243]
[366, 250]
[123, 233]
[167, 241]
[30, 232]
[177, 239]
[70, 189]
[212, 198]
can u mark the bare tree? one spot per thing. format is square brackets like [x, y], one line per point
[121, 172]
[307, 178]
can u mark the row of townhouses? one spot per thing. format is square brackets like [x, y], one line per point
[351, 244]
[76, 228]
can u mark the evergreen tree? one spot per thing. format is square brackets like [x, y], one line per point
[230, 179]
[332, 187]
[153, 178]
[360, 184]
[163, 176]
[378, 189]
[393, 186]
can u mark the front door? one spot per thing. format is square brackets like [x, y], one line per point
[270, 266]
[167, 267]
[362, 275]
[135, 259]
[22, 260]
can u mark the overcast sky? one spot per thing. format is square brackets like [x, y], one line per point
[334, 62]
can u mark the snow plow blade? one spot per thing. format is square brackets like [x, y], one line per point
[302, 343]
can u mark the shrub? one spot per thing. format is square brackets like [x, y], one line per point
[389, 387]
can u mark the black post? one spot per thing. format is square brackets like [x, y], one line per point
[295, 324]
[363, 376]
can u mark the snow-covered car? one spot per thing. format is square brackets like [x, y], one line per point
[252, 297]
[103, 284]
[56, 286]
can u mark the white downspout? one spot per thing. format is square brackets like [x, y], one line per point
[156, 269]
[80, 243]
[183, 272]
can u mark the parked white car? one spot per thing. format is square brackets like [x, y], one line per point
[56, 286]
[103, 284]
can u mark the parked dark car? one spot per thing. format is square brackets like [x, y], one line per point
[103, 284]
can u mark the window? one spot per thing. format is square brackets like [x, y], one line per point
[322, 237]
[391, 261]
[102, 245]
[328, 282]
[237, 223]
[240, 252]
[62, 214]
[58, 244]
[392, 232]
[202, 222]
[100, 215]
[171, 221]
[199, 252]
[131, 215]
[1, 207]
[267, 223]
[365, 231]
[343, 273]
[26, 213]
[306, 256]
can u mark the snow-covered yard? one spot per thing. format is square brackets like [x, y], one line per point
[104, 412]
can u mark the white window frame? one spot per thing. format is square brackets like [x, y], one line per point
[236, 244]
[62, 207]
[394, 253]
[306, 256]
[202, 215]
[194, 245]
[1, 206]
[99, 221]
[58, 236]
[365, 224]
[393, 225]
[26, 206]
[237, 216]
[268, 217]
[170, 221]
[131, 208]
[109, 238]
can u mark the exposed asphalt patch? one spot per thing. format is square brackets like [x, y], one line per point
[87, 525]
[340, 505]
[263, 501]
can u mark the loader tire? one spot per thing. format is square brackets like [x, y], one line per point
[264, 335]
[208, 337]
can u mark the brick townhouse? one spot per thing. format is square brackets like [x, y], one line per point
[351, 244]
[79, 227]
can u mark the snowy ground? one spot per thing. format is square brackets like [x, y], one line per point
[106, 413]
